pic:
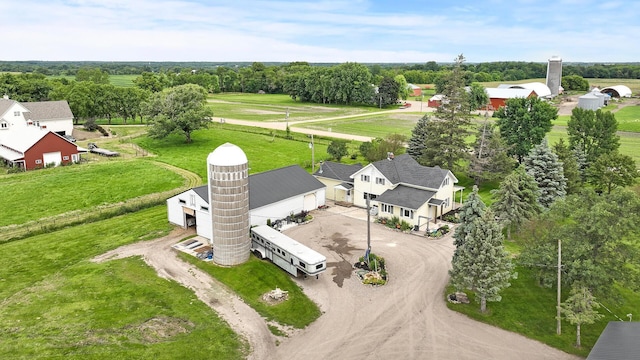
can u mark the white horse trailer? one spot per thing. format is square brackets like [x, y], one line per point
[269, 243]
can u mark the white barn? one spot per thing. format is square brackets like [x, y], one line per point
[273, 195]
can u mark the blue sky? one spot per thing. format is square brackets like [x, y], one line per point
[321, 31]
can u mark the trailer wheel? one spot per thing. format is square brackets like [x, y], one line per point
[258, 254]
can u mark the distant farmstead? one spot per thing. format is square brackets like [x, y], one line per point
[33, 134]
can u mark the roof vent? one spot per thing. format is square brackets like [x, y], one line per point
[321, 163]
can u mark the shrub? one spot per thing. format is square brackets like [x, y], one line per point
[90, 125]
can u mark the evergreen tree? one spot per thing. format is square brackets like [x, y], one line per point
[445, 142]
[543, 165]
[516, 200]
[570, 166]
[490, 160]
[418, 138]
[481, 264]
[580, 308]
[593, 132]
[472, 209]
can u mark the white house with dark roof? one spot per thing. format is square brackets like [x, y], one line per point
[400, 186]
[273, 195]
[337, 178]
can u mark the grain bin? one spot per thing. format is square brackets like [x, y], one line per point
[228, 181]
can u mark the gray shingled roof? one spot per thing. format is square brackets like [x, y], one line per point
[337, 171]
[619, 340]
[275, 185]
[406, 197]
[404, 169]
[47, 110]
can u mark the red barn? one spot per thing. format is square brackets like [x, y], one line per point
[499, 96]
[37, 148]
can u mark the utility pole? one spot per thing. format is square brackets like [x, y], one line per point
[313, 155]
[558, 326]
[368, 229]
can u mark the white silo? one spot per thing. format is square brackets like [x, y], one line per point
[229, 202]
[554, 75]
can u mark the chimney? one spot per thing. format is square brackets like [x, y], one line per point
[390, 156]
[321, 163]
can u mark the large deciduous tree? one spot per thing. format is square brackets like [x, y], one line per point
[387, 92]
[516, 200]
[524, 122]
[570, 166]
[446, 135]
[599, 237]
[543, 165]
[481, 263]
[612, 170]
[379, 148]
[593, 132]
[338, 149]
[179, 109]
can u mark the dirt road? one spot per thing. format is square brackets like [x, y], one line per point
[407, 318]
[159, 255]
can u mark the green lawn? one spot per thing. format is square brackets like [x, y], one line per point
[117, 80]
[264, 151]
[530, 310]
[42, 193]
[57, 304]
[629, 142]
[370, 125]
[298, 311]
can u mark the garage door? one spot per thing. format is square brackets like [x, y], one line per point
[310, 202]
[52, 158]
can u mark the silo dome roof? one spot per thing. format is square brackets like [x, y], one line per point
[227, 154]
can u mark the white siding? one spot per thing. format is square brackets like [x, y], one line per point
[361, 187]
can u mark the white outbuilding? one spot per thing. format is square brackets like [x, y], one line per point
[589, 102]
[619, 91]
[273, 195]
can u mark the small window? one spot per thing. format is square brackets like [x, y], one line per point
[38, 161]
[387, 208]
[408, 213]
[446, 181]
[16, 113]
[205, 208]
[4, 125]
[319, 266]
[303, 265]
[65, 158]
[380, 181]
[371, 196]
[192, 199]
[364, 177]
[182, 201]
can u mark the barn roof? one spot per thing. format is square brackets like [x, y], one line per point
[337, 171]
[617, 91]
[619, 340]
[275, 185]
[508, 93]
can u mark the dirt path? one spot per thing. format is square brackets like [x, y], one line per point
[159, 255]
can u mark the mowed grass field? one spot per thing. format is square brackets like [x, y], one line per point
[264, 151]
[37, 194]
[58, 304]
[379, 125]
[274, 107]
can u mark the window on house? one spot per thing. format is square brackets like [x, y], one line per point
[372, 196]
[74, 157]
[364, 177]
[182, 201]
[4, 125]
[38, 161]
[16, 113]
[65, 158]
[446, 202]
[408, 213]
[205, 208]
[446, 181]
[387, 208]
[192, 200]
[380, 181]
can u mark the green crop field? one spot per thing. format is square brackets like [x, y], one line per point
[38, 194]
[264, 151]
[57, 304]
